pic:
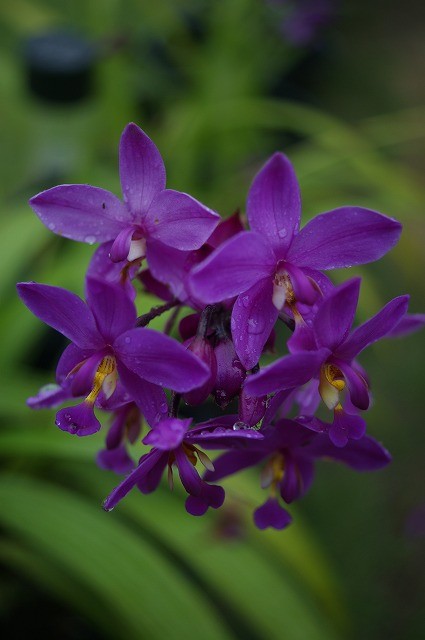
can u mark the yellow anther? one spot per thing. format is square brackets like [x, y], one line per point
[334, 376]
[106, 368]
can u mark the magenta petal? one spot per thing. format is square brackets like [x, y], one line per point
[286, 373]
[150, 398]
[142, 171]
[178, 220]
[79, 419]
[80, 212]
[168, 434]
[335, 315]
[271, 514]
[274, 203]
[160, 359]
[374, 329]
[344, 237]
[146, 464]
[62, 310]
[233, 268]
[253, 318]
[112, 309]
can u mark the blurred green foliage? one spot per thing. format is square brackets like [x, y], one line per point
[208, 81]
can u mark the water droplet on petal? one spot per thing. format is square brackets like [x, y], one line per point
[238, 426]
[282, 233]
[245, 301]
[90, 239]
[52, 226]
[127, 340]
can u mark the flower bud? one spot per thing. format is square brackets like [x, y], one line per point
[251, 409]
[203, 349]
[230, 373]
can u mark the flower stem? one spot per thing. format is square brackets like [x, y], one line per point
[146, 318]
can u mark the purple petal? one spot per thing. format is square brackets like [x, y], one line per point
[168, 265]
[211, 496]
[253, 318]
[335, 315]
[188, 474]
[151, 479]
[49, 396]
[297, 479]
[102, 267]
[112, 309]
[271, 514]
[238, 435]
[233, 461]
[80, 212]
[344, 237]
[121, 246]
[79, 419]
[225, 230]
[116, 460]
[409, 324]
[345, 427]
[365, 454]
[146, 464]
[142, 171]
[160, 359]
[178, 220]
[150, 398]
[62, 310]
[251, 409]
[168, 434]
[233, 268]
[357, 385]
[374, 329]
[286, 373]
[70, 358]
[274, 203]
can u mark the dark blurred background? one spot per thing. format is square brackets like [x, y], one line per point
[336, 85]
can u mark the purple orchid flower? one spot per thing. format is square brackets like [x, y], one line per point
[275, 265]
[329, 335]
[149, 215]
[126, 426]
[105, 345]
[290, 451]
[174, 444]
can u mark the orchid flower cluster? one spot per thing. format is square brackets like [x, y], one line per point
[231, 286]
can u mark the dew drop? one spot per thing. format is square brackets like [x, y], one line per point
[245, 301]
[90, 239]
[127, 340]
[52, 226]
[238, 426]
[282, 233]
